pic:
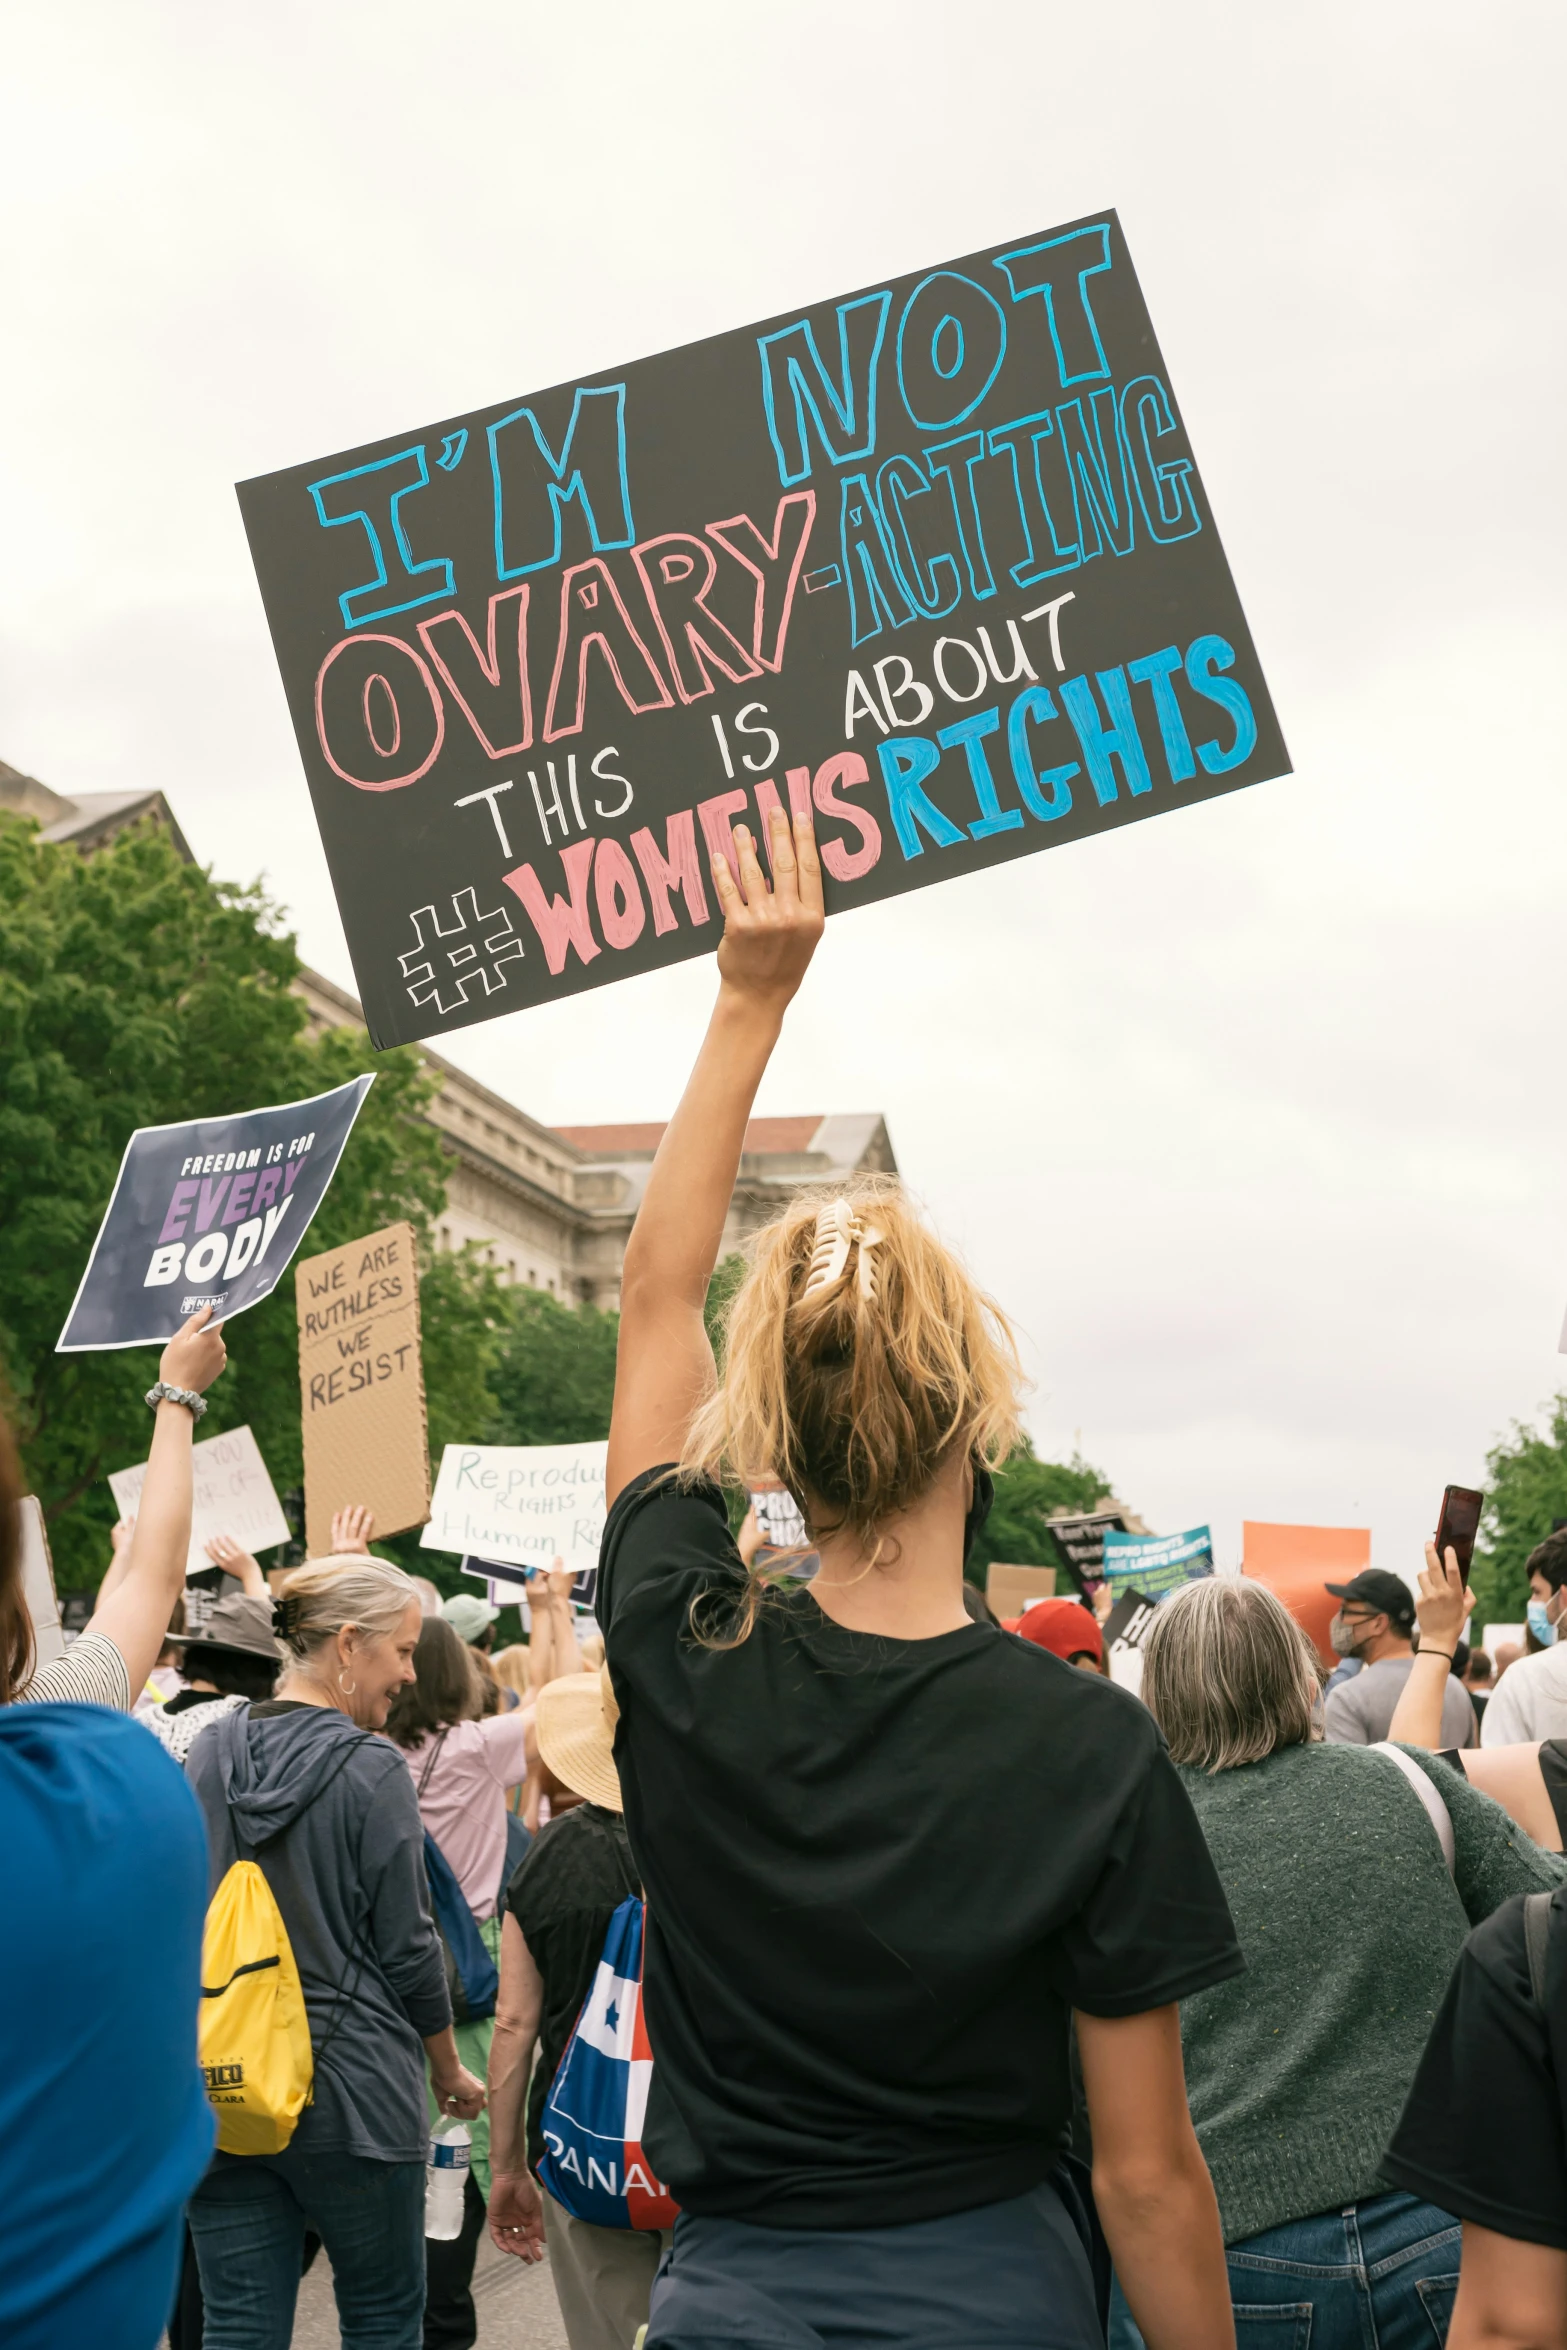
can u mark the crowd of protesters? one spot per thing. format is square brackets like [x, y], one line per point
[953, 1997]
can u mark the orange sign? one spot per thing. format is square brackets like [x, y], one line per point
[1297, 1562]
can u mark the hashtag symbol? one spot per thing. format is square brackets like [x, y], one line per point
[448, 976]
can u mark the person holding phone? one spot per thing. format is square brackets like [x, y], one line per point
[1375, 1622]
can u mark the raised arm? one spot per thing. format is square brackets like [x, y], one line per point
[1442, 1608]
[664, 1364]
[135, 1615]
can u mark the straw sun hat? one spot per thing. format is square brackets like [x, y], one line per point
[575, 1725]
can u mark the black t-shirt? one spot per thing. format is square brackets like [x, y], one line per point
[563, 1896]
[1484, 2133]
[879, 1873]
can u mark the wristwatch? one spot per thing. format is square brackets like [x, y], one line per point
[163, 1393]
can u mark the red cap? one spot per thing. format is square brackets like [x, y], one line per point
[1061, 1625]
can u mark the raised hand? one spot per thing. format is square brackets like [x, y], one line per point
[195, 1354]
[1444, 1602]
[352, 1528]
[770, 934]
[226, 1553]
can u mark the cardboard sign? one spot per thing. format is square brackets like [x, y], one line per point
[38, 1590]
[932, 558]
[232, 1495]
[1011, 1591]
[361, 1384]
[1156, 1564]
[207, 1213]
[1298, 1562]
[1081, 1542]
[522, 1504]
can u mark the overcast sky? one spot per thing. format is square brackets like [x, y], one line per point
[1252, 1116]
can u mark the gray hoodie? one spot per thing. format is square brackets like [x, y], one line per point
[329, 1813]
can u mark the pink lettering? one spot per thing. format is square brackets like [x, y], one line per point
[765, 560]
[832, 777]
[561, 924]
[489, 683]
[592, 613]
[212, 1192]
[179, 1209]
[239, 1198]
[344, 724]
[677, 571]
[677, 867]
[622, 915]
[266, 1188]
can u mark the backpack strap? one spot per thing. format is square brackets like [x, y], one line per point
[1537, 1941]
[1435, 1809]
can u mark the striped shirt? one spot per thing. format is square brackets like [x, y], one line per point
[91, 1672]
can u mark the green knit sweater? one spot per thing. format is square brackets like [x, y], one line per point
[1298, 2069]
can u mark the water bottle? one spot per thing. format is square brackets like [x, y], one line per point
[446, 2175]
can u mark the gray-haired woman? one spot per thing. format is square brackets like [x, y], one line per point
[328, 1810]
[1351, 1915]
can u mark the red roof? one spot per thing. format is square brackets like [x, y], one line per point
[763, 1134]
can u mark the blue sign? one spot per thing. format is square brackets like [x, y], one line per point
[1157, 1564]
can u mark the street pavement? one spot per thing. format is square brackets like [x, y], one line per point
[516, 2305]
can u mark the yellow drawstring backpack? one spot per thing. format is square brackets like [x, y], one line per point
[254, 2033]
[254, 2036]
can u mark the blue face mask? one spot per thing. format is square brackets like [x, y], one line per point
[1539, 1623]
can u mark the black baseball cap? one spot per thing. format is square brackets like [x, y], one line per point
[1385, 1594]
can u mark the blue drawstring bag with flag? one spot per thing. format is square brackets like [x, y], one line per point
[593, 2162]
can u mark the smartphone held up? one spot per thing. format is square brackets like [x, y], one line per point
[1457, 1524]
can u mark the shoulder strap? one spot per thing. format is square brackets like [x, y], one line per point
[1537, 1936]
[1436, 1810]
[436, 1744]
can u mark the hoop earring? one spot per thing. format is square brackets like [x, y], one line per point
[349, 1688]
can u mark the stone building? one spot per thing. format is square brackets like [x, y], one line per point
[551, 1208]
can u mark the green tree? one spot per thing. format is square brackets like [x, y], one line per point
[1525, 1491]
[134, 991]
[553, 1377]
[1027, 1490]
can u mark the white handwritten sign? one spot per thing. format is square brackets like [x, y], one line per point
[526, 1504]
[232, 1495]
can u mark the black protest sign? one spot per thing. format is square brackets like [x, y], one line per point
[933, 559]
[208, 1212]
[1081, 1542]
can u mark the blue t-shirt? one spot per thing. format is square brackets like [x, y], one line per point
[104, 2123]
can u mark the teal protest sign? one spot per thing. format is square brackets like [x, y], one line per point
[1156, 1564]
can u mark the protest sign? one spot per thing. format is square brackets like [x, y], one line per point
[1298, 1562]
[1012, 1590]
[1081, 1542]
[232, 1494]
[361, 1384]
[777, 1514]
[524, 1505]
[207, 1213]
[932, 558]
[1125, 1629]
[38, 1590]
[507, 1583]
[1156, 1564]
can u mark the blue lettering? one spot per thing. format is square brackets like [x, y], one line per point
[971, 732]
[591, 468]
[1059, 269]
[937, 589]
[372, 495]
[905, 763]
[1101, 744]
[791, 362]
[1154, 671]
[970, 448]
[877, 588]
[1203, 657]
[1040, 533]
[1034, 705]
[1104, 512]
[1164, 489]
[952, 339]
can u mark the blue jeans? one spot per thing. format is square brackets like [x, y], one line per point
[1378, 2276]
[249, 2216]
